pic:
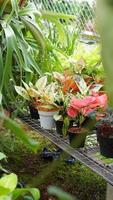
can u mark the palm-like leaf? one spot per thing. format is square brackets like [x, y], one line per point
[26, 48]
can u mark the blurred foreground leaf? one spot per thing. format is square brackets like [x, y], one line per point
[105, 25]
[19, 132]
[33, 191]
[60, 193]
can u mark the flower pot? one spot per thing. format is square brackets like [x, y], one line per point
[46, 119]
[33, 112]
[59, 126]
[77, 137]
[106, 146]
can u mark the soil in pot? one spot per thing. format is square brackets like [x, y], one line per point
[106, 146]
[77, 136]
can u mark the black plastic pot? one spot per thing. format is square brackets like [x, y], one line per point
[106, 146]
[76, 137]
[33, 112]
[59, 126]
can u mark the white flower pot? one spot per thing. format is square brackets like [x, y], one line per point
[46, 119]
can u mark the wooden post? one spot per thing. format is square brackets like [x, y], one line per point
[109, 192]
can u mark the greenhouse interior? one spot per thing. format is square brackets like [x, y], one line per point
[56, 91]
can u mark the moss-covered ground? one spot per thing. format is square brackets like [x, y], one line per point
[35, 171]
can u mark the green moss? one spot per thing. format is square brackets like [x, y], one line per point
[31, 168]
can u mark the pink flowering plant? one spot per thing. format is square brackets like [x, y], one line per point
[79, 108]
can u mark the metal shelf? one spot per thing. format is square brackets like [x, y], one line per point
[85, 156]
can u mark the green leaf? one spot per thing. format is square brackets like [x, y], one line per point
[0, 98]
[60, 193]
[49, 15]
[33, 191]
[14, 4]
[22, 92]
[28, 60]
[8, 184]
[3, 192]
[105, 25]
[57, 117]
[61, 32]
[5, 197]
[20, 133]
[65, 126]
[41, 83]
[3, 6]
[2, 156]
[1, 65]
[36, 33]
[29, 10]
[82, 85]
[10, 44]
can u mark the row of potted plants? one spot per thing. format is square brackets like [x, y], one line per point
[69, 100]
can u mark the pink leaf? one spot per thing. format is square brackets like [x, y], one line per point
[72, 112]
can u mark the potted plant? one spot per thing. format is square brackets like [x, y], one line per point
[67, 87]
[41, 97]
[47, 106]
[31, 93]
[104, 130]
[79, 109]
[70, 85]
[62, 122]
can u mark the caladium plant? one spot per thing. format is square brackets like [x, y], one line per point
[79, 108]
[86, 88]
[30, 91]
[42, 93]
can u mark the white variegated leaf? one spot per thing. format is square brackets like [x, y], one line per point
[97, 87]
[32, 92]
[25, 85]
[58, 76]
[22, 92]
[41, 83]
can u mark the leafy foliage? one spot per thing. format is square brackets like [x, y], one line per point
[19, 132]
[60, 193]
[26, 52]
[8, 189]
[106, 32]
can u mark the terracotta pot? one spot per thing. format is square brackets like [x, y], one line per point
[77, 136]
